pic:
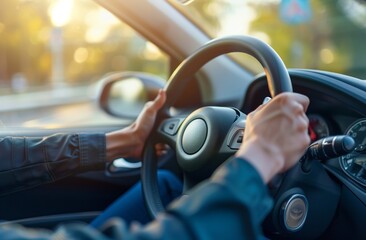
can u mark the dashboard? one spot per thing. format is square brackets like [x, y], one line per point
[337, 107]
[353, 163]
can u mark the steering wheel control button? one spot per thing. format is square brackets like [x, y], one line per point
[194, 136]
[171, 126]
[236, 139]
[293, 212]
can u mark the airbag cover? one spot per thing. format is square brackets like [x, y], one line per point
[194, 136]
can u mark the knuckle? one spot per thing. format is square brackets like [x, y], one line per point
[284, 98]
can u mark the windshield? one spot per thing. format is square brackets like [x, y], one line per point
[325, 35]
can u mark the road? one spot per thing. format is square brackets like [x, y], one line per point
[68, 107]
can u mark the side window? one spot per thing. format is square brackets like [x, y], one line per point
[52, 54]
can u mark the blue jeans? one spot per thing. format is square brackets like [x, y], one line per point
[131, 207]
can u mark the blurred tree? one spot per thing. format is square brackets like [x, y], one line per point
[92, 41]
[329, 41]
[332, 39]
[314, 44]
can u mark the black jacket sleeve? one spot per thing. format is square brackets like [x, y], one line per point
[231, 205]
[30, 161]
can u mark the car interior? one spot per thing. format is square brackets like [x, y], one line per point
[319, 198]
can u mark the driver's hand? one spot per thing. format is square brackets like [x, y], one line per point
[129, 142]
[276, 134]
[146, 120]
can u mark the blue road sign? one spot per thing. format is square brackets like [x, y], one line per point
[295, 11]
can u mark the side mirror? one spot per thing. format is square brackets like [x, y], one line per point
[124, 94]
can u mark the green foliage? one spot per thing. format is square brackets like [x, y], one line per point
[332, 40]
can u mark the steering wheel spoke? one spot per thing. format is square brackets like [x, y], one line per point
[168, 129]
[235, 136]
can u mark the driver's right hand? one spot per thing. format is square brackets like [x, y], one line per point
[276, 134]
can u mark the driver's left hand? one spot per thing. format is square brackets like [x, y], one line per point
[129, 141]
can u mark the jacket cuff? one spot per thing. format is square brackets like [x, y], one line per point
[92, 149]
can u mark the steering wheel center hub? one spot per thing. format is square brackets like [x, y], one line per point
[194, 136]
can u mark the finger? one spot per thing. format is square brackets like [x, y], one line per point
[302, 123]
[161, 149]
[265, 101]
[302, 99]
[301, 143]
[161, 146]
[161, 153]
[159, 100]
[296, 108]
[255, 111]
[259, 108]
[152, 107]
[284, 99]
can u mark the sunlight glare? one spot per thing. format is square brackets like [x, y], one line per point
[151, 52]
[238, 22]
[99, 23]
[96, 34]
[129, 90]
[60, 12]
[81, 55]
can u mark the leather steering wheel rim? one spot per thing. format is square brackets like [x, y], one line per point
[278, 81]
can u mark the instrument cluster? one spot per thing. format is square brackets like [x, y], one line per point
[354, 163]
[318, 127]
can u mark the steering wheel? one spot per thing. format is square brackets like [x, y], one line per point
[209, 135]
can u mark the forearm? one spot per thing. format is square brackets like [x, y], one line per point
[27, 162]
[231, 205]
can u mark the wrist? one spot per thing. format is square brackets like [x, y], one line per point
[266, 158]
[123, 143]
